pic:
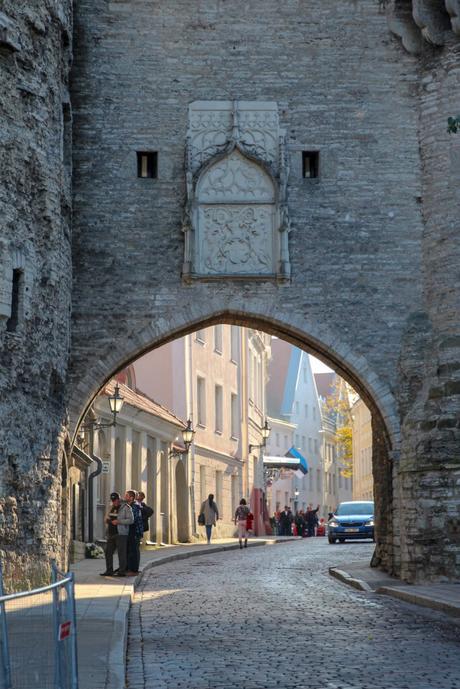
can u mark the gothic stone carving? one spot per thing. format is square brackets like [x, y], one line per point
[236, 219]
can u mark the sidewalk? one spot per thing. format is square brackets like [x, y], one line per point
[442, 597]
[103, 604]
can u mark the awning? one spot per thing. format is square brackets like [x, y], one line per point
[292, 460]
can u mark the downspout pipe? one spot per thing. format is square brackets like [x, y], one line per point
[91, 478]
[87, 459]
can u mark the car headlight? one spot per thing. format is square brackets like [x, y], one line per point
[369, 523]
[334, 524]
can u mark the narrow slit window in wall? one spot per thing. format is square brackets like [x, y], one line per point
[147, 164]
[310, 164]
[12, 322]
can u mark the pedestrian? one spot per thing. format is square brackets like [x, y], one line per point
[210, 515]
[300, 523]
[136, 532]
[147, 511]
[241, 521]
[118, 520]
[286, 522]
[312, 519]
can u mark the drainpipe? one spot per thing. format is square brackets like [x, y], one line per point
[91, 478]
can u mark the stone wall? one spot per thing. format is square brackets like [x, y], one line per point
[343, 87]
[430, 466]
[373, 242]
[35, 201]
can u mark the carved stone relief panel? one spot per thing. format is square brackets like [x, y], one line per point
[236, 219]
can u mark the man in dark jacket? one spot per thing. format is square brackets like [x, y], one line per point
[136, 532]
[311, 517]
[147, 511]
[285, 522]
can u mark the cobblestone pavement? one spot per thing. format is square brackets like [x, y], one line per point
[272, 617]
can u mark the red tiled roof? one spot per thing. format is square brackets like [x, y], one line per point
[141, 401]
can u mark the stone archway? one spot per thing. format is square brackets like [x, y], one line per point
[355, 369]
[181, 502]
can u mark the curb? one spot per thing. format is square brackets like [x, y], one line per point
[405, 594]
[344, 577]
[419, 599]
[116, 671]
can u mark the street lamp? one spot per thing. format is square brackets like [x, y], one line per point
[187, 436]
[265, 430]
[115, 404]
[296, 498]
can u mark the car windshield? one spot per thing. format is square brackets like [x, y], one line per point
[348, 508]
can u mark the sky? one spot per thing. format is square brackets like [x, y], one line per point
[317, 366]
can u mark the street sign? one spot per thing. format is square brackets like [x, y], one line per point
[106, 467]
[64, 630]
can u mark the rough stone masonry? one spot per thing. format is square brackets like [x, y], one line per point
[373, 246]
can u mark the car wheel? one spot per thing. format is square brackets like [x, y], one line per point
[342, 540]
[332, 540]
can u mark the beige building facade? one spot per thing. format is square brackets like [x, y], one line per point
[216, 377]
[363, 482]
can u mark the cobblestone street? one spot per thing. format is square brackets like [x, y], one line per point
[272, 617]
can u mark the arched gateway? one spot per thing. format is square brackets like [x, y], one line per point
[284, 166]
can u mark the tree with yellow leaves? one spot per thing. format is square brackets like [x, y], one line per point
[337, 407]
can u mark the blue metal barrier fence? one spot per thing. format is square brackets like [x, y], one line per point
[38, 636]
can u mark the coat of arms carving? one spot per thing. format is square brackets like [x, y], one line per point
[236, 220]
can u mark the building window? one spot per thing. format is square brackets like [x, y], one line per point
[218, 403]
[201, 400]
[16, 292]
[203, 494]
[305, 374]
[200, 336]
[286, 445]
[234, 343]
[318, 480]
[340, 480]
[297, 408]
[314, 413]
[219, 481]
[277, 439]
[234, 490]
[218, 339]
[235, 416]
[304, 443]
[297, 440]
[310, 477]
[306, 411]
[316, 446]
[310, 164]
[310, 448]
[147, 164]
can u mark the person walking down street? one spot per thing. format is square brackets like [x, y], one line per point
[147, 511]
[118, 520]
[311, 519]
[241, 521]
[285, 522]
[211, 515]
[136, 532]
[300, 523]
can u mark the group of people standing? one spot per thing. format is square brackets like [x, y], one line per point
[244, 519]
[306, 522]
[126, 521]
